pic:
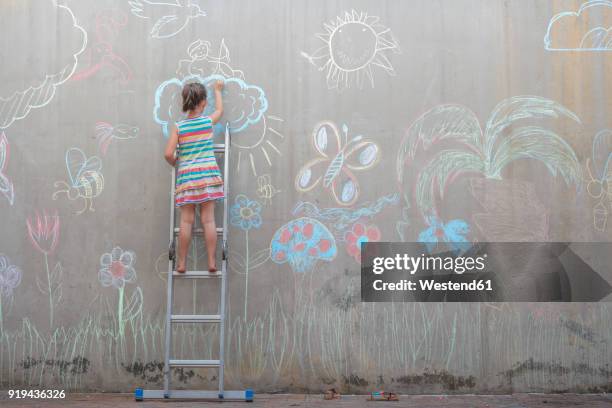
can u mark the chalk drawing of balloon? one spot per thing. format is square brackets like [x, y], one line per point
[338, 159]
[85, 178]
[301, 243]
[353, 46]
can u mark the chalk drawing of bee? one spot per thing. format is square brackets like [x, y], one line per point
[265, 189]
[338, 159]
[86, 180]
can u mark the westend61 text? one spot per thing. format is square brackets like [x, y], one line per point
[430, 284]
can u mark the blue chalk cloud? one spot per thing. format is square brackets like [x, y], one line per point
[244, 104]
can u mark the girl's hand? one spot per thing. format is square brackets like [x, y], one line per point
[219, 85]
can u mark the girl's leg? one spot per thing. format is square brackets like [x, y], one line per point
[187, 218]
[207, 216]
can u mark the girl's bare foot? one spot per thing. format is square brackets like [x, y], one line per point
[181, 269]
[212, 270]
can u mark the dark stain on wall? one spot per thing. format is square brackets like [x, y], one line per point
[449, 381]
[526, 366]
[153, 372]
[78, 365]
[355, 380]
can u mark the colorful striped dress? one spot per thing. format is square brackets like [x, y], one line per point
[199, 178]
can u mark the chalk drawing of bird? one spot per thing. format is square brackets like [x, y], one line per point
[101, 55]
[170, 18]
[105, 132]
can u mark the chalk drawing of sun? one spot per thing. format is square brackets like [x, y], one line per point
[256, 139]
[353, 46]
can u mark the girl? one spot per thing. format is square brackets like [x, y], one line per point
[198, 179]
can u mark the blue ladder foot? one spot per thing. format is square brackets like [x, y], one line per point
[249, 395]
[138, 394]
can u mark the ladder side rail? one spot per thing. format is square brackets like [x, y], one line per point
[168, 345]
[226, 159]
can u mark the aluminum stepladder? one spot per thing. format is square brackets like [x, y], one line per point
[169, 363]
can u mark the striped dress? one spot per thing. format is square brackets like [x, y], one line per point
[199, 178]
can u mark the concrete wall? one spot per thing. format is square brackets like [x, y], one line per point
[87, 88]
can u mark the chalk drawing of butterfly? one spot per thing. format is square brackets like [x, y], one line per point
[86, 181]
[338, 158]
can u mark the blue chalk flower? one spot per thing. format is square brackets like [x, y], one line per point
[245, 213]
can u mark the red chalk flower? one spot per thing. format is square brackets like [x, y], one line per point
[360, 233]
[117, 268]
[44, 233]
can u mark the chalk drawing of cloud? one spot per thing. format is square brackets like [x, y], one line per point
[588, 29]
[244, 105]
[35, 66]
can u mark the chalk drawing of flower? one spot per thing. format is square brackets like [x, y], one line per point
[453, 233]
[10, 276]
[245, 213]
[302, 242]
[44, 232]
[358, 234]
[116, 268]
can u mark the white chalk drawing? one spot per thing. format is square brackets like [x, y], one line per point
[85, 178]
[10, 278]
[202, 62]
[6, 186]
[504, 139]
[513, 212]
[106, 133]
[588, 29]
[170, 18]
[405, 222]
[254, 131]
[599, 181]
[265, 190]
[338, 158]
[19, 104]
[353, 46]
[100, 55]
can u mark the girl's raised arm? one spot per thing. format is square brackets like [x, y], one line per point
[170, 153]
[216, 115]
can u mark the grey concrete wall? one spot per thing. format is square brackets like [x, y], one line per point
[86, 88]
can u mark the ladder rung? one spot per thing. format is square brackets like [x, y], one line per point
[199, 231]
[195, 318]
[194, 363]
[219, 148]
[197, 274]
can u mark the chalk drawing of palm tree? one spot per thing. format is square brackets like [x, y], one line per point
[505, 138]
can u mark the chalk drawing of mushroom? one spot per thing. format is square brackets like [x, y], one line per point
[302, 242]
